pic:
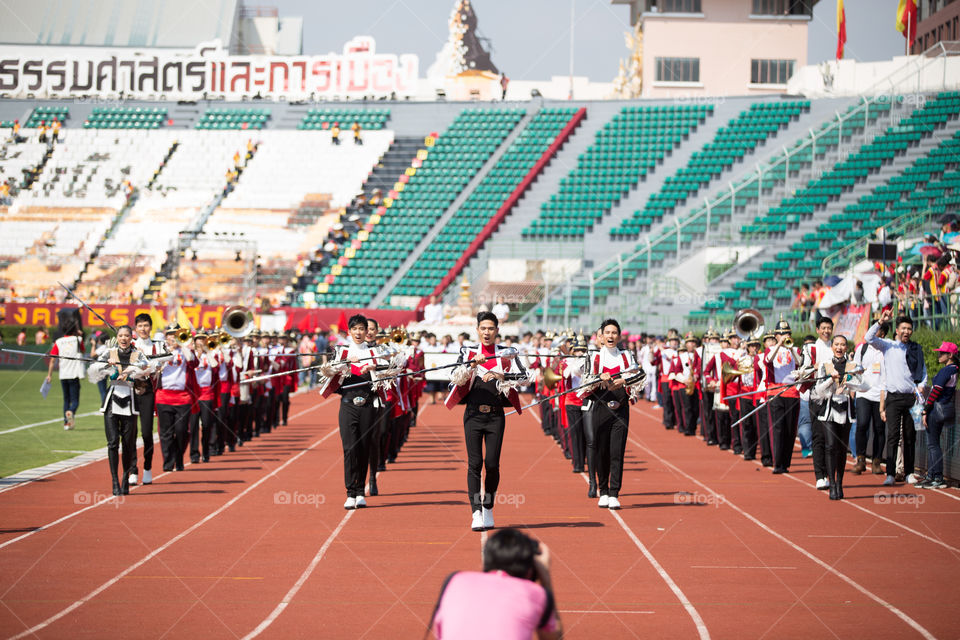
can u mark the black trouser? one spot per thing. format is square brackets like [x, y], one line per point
[145, 406]
[818, 434]
[201, 445]
[763, 433]
[868, 421]
[274, 408]
[244, 420]
[173, 424]
[666, 401]
[723, 427]
[736, 432]
[356, 422]
[708, 424]
[611, 427]
[691, 412]
[376, 440]
[899, 420]
[479, 430]
[575, 422]
[120, 430]
[676, 399]
[750, 428]
[837, 436]
[590, 444]
[784, 415]
[226, 423]
[285, 404]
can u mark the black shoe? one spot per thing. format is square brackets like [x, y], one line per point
[205, 458]
[167, 469]
[712, 443]
[116, 487]
[576, 470]
[392, 460]
[373, 489]
[749, 457]
[284, 423]
[179, 467]
[592, 491]
[737, 451]
[125, 486]
[688, 433]
[567, 456]
[194, 460]
[724, 447]
[668, 428]
[766, 463]
[778, 470]
[382, 467]
[233, 447]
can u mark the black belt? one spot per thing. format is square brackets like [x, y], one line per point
[901, 393]
[357, 400]
[486, 408]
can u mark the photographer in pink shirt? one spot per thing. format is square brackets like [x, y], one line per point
[514, 589]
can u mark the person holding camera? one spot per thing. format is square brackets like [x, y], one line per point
[514, 588]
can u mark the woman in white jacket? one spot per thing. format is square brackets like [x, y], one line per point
[836, 400]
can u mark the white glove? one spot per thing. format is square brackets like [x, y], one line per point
[461, 375]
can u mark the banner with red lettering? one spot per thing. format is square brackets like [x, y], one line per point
[208, 71]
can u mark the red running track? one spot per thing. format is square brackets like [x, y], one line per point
[257, 544]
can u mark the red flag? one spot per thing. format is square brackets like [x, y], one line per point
[841, 29]
[907, 21]
[342, 321]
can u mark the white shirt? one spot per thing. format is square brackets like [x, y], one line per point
[69, 347]
[433, 313]
[874, 372]
[823, 352]
[501, 310]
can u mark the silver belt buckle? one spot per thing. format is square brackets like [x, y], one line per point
[359, 401]
[484, 408]
[613, 404]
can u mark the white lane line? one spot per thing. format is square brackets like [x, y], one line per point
[864, 509]
[113, 498]
[603, 611]
[40, 424]
[827, 567]
[707, 566]
[301, 580]
[109, 583]
[813, 535]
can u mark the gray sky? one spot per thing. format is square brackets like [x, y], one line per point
[530, 39]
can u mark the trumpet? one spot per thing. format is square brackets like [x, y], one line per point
[184, 337]
[748, 323]
[237, 321]
[788, 342]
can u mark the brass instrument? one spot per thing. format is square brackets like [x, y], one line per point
[788, 343]
[237, 322]
[691, 384]
[748, 323]
[184, 337]
[550, 378]
[728, 372]
[399, 335]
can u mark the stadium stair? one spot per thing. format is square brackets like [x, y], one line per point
[924, 178]
[665, 254]
[628, 148]
[476, 214]
[448, 164]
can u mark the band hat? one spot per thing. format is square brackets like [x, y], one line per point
[729, 334]
[782, 326]
[947, 347]
[171, 328]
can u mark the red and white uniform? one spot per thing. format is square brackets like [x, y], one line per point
[177, 384]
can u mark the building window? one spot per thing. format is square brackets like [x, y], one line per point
[783, 7]
[770, 71]
[674, 6]
[678, 69]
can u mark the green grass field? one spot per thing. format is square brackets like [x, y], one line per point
[21, 403]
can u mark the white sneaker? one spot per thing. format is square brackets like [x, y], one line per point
[603, 502]
[69, 424]
[912, 479]
[147, 476]
[487, 515]
[132, 478]
[351, 503]
[613, 503]
[823, 483]
[360, 502]
[477, 522]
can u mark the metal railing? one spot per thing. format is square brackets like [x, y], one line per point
[843, 258]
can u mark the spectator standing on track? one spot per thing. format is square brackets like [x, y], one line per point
[834, 410]
[515, 588]
[870, 359]
[906, 375]
[70, 370]
[939, 410]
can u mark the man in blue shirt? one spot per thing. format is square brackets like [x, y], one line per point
[906, 374]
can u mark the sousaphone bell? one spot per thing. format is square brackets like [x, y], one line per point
[237, 321]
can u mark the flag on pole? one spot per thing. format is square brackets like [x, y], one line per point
[907, 21]
[841, 29]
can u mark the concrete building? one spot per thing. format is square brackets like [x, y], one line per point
[695, 48]
[939, 21]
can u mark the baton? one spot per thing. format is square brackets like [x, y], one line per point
[77, 298]
[48, 355]
[562, 393]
